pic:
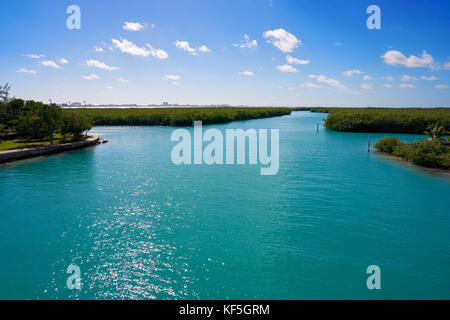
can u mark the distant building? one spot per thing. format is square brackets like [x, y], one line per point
[165, 103]
[76, 104]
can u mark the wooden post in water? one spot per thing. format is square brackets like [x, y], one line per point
[368, 146]
[317, 127]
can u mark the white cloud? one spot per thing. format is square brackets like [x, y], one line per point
[123, 80]
[129, 47]
[337, 44]
[184, 45]
[204, 49]
[367, 77]
[63, 61]
[282, 39]
[431, 78]
[366, 86]
[175, 83]
[388, 85]
[407, 78]
[396, 58]
[331, 82]
[91, 77]
[100, 65]
[441, 86]
[389, 78]
[310, 85]
[99, 49]
[34, 56]
[171, 77]
[447, 66]
[109, 87]
[293, 60]
[349, 73]
[407, 86]
[246, 43]
[132, 26]
[286, 68]
[23, 70]
[50, 63]
[246, 73]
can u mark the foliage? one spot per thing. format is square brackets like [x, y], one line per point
[405, 120]
[436, 131]
[387, 144]
[33, 120]
[73, 123]
[4, 92]
[427, 153]
[178, 116]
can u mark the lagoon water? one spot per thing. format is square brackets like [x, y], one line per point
[140, 227]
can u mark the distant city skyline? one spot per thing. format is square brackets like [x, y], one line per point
[255, 53]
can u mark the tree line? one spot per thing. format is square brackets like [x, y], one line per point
[34, 120]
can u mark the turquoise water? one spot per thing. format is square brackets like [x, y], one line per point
[140, 227]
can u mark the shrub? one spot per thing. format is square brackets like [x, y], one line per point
[427, 153]
[388, 144]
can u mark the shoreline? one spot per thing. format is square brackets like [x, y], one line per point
[20, 154]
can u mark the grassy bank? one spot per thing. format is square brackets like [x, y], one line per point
[26, 143]
[407, 120]
[177, 116]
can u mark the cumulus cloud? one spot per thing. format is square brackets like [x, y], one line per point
[431, 78]
[132, 26]
[100, 65]
[286, 68]
[367, 77]
[50, 64]
[99, 49]
[441, 86]
[389, 78]
[246, 73]
[349, 73]
[282, 39]
[23, 70]
[123, 80]
[171, 77]
[129, 47]
[366, 86]
[407, 86]
[310, 85]
[246, 43]
[184, 45]
[331, 82]
[91, 77]
[388, 85]
[63, 61]
[396, 58]
[292, 60]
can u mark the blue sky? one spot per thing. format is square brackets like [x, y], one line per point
[296, 53]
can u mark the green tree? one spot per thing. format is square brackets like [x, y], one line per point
[436, 132]
[73, 123]
[4, 92]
